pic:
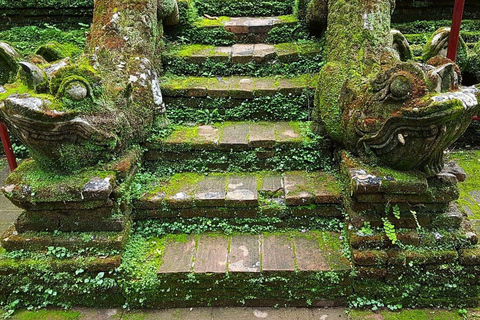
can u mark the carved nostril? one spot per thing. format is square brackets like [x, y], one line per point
[33, 75]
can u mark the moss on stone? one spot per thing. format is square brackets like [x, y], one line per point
[469, 161]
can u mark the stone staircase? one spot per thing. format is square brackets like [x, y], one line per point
[231, 169]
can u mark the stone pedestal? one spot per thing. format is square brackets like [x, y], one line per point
[410, 244]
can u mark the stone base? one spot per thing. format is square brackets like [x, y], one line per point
[79, 210]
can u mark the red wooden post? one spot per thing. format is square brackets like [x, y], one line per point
[455, 29]
[7, 147]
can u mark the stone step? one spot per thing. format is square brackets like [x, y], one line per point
[243, 7]
[241, 195]
[227, 146]
[201, 99]
[32, 241]
[367, 238]
[247, 29]
[297, 269]
[236, 87]
[304, 57]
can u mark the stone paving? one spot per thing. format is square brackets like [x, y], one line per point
[236, 87]
[245, 53]
[192, 194]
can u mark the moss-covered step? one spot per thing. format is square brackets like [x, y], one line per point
[248, 146]
[243, 8]
[244, 59]
[388, 236]
[285, 269]
[13, 240]
[239, 195]
[247, 29]
[206, 100]
[236, 87]
[60, 277]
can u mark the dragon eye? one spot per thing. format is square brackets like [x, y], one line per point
[400, 88]
[76, 90]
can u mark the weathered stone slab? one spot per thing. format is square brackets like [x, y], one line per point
[242, 88]
[241, 191]
[404, 257]
[331, 245]
[298, 189]
[235, 136]
[183, 195]
[287, 86]
[242, 53]
[262, 135]
[211, 256]
[263, 52]
[309, 255]
[218, 87]
[237, 25]
[286, 133]
[326, 189]
[286, 52]
[211, 191]
[369, 180]
[265, 86]
[260, 25]
[178, 256]
[196, 138]
[244, 255]
[369, 257]
[272, 184]
[277, 253]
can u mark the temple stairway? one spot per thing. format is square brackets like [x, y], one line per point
[240, 167]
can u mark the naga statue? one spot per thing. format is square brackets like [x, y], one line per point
[74, 115]
[379, 105]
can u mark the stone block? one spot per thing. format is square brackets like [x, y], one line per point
[242, 53]
[241, 88]
[211, 191]
[368, 258]
[178, 256]
[297, 189]
[277, 253]
[211, 255]
[265, 87]
[218, 88]
[262, 135]
[309, 255]
[244, 255]
[241, 191]
[263, 53]
[235, 136]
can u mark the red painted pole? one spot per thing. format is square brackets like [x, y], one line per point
[455, 29]
[7, 147]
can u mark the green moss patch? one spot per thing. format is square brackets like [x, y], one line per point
[28, 39]
[470, 189]
[51, 187]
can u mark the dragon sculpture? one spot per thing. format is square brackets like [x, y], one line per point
[75, 115]
[379, 105]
